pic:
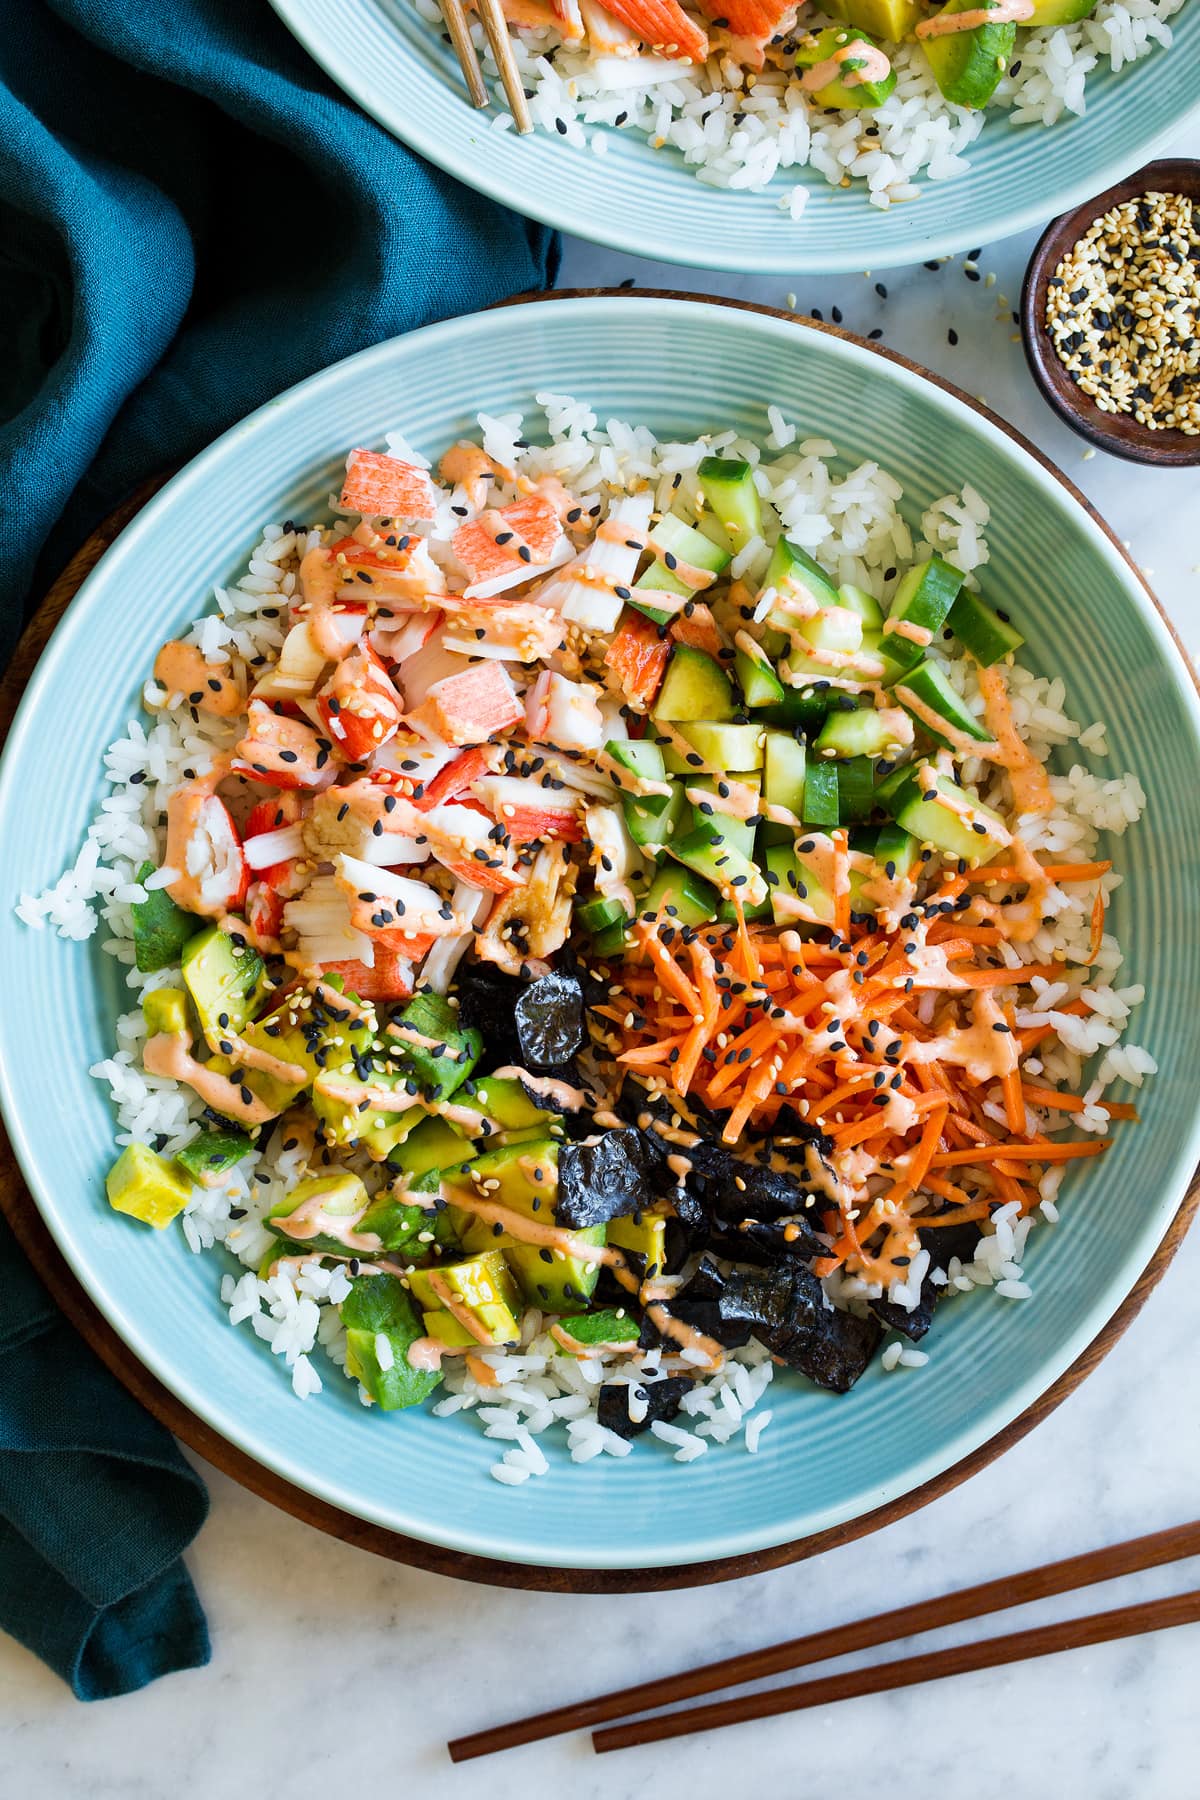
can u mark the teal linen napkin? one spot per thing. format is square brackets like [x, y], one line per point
[97, 1506]
[191, 219]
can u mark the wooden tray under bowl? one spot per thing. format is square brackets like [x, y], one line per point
[21, 1212]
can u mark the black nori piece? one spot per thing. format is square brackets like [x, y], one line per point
[487, 1001]
[663, 1400]
[549, 1021]
[618, 1174]
[943, 1245]
[786, 1309]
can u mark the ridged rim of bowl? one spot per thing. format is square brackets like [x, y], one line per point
[747, 1543]
[421, 100]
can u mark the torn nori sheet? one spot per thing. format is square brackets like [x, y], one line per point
[663, 1400]
[487, 1001]
[620, 1173]
[943, 1245]
[549, 1020]
[785, 1308]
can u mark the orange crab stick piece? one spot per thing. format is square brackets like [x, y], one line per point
[384, 487]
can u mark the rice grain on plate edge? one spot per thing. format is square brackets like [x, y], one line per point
[855, 523]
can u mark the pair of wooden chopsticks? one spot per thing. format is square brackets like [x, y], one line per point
[496, 26]
[1150, 1552]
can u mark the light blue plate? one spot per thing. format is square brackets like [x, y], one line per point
[823, 1459]
[646, 202]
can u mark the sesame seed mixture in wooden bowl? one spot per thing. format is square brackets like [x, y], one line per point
[1110, 316]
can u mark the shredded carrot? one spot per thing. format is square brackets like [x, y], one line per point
[1097, 927]
[1048, 1153]
[1055, 1101]
[1051, 871]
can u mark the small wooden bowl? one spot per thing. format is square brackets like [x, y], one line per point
[1118, 433]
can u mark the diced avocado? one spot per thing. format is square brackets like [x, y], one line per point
[227, 983]
[674, 541]
[555, 1279]
[923, 599]
[889, 20]
[378, 1307]
[506, 1104]
[694, 687]
[338, 1097]
[837, 629]
[643, 758]
[405, 1227]
[716, 860]
[607, 1328]
[336, 1195]
[784, 771]
[482, 1285]
[759, 683]
[822, 47]
[519, 1176]
[1057, 12]
[433, 1144]
[682, 895]
[931, 691]
[821, 795]
[728, 486]
[443, 1064]
[953, 819]
[165, 1010]
[856, 788]
[981, 630]
[653, 825]
[793, 573]
[644, 1233]
[720, 745]
[160, 928]
[792, 885]
[865, 605]
[146, 1186]
[967, 65]
[209, 1157]
[864, 732]
[308, 1038]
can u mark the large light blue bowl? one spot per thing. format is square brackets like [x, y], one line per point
[824, 1459]
[645, 201]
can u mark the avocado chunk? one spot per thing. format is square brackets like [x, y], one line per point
[967, 65]
[308, 1035]
[556, 1279]
[1058, 12]
[694, 687]
[227, 982]
[521, 1177]
[443, 1063]
[890, 20]
[337, 1200]
[482, 1287]
[645, 1233]
[841, 92]
[506, 1103]
[165, 1010]
[146, 1186]
[209, 1157]
[160, 928]
[609, 1328]
[380, 1317]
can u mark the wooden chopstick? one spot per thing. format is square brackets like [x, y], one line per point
[496, 26]
[912, 1671]
[464, 49]
[1149, 1552]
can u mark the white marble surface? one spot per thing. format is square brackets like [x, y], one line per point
[336, 1673]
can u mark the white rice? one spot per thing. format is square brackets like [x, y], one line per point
[853, 520]
[745, 131]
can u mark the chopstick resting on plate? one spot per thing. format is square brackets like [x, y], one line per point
[496, 27]
[1152, 1551]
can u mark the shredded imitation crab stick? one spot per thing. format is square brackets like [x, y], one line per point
[748, 1021]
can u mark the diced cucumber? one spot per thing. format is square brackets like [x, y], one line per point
[719, 862]
[863, 732]
[651, 822]
[967, 65]
[821, 805]
[443, 1064]
[376, 1307]
[612, 942]
[598, 913]
[980, 629]
[682, 894]
[654, 580]
[719, 745]
[865, 605]
[792, 571]
[894, 792]
[226, 982]
[160, 928]
[792, 883]
[837, 629]
[694, 687]
[929, 688]
[737, 832]
[784, 771]
[209, 1157]
[923, 599]
[934, 815]
[674, 542]
[759, 683]
[802, 708]
[641, 756]
[892, 848]
[856, 788]
[728, 487]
